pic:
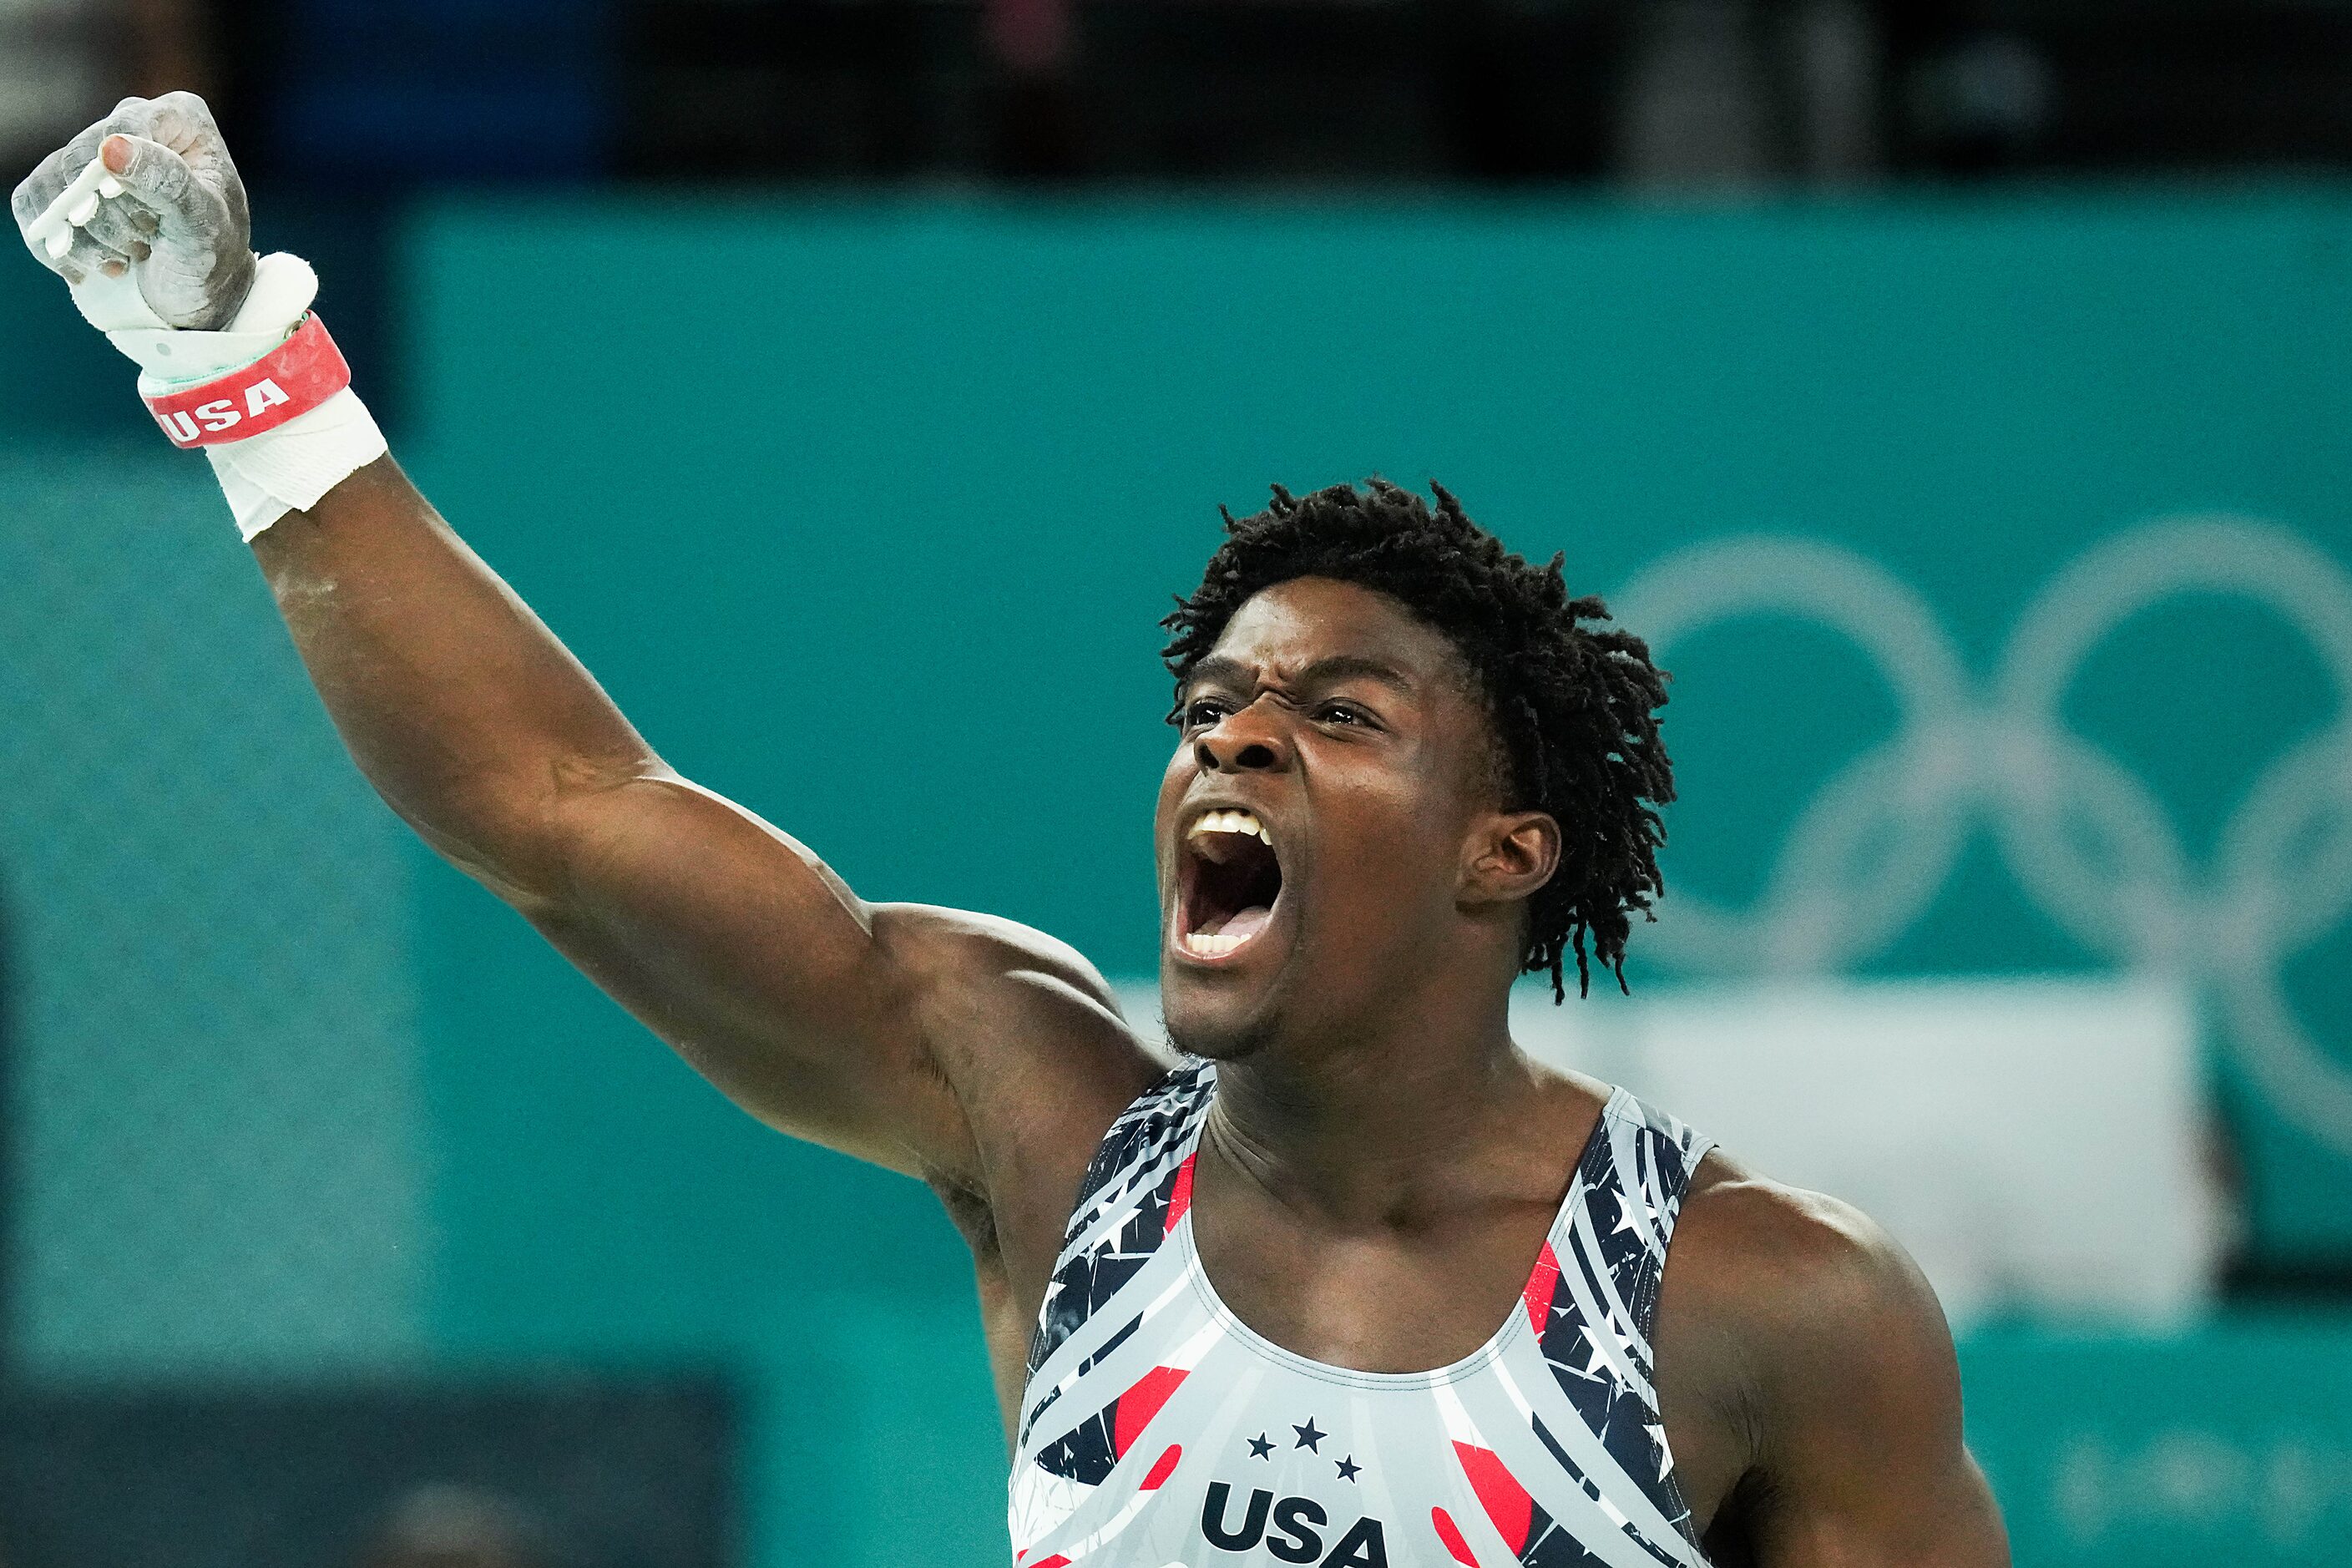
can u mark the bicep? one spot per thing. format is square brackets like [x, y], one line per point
[742, 950]
[1918, 1511]
[880, 1030]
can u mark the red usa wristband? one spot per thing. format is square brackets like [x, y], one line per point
[285, 384]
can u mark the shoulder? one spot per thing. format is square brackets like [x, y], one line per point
[939, 948]
[1790, 1244]
[1798, 1271]
[1822, 1316]
[1824, 1356]
[1029, 1039]
[996, 1000]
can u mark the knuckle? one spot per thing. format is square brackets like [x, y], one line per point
[48, 176]
[38, 189]
[111, 223]
[185, 131]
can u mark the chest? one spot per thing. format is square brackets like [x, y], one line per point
[1432, 1301]
[1169, 1419]
[1507, 1320]
[1397, 1299]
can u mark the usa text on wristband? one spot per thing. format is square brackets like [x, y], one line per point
[287, 382]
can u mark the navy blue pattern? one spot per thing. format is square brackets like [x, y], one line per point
[1160, 1119]
[1632, 1214]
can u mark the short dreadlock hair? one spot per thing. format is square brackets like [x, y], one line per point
[1571, 701]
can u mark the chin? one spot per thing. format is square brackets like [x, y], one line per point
[1200, 1026]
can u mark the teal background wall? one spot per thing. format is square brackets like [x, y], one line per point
[2228, 1447]
[213, 1105]
[866, 513]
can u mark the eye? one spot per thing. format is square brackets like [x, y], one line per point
[1343, 713]
[1204, 712]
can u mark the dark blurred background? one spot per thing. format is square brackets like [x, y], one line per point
[346, 1228]
[342, 105]
[1536, 92]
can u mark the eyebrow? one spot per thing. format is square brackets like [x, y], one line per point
[1328, 671]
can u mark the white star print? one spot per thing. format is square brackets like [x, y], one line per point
[1624, 1213]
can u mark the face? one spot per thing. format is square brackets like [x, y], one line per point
[1329, 828]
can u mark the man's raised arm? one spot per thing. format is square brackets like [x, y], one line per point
[874, 1028]
[481, 729]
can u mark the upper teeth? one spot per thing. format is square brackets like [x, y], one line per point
[1231, 822]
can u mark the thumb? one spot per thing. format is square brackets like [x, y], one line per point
[151, 172]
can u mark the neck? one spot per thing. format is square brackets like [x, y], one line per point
[1373, 1121]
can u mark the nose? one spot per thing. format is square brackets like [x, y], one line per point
[1243, 742]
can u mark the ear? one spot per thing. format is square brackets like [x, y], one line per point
[1510, 853]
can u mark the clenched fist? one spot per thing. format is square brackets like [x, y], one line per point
[179, 228]
[144, 216]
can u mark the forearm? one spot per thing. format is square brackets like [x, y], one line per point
[732, 940]
[467, 714]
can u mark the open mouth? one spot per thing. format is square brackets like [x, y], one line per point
[1229, 881]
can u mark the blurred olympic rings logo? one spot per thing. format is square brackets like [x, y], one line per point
[2085, 838]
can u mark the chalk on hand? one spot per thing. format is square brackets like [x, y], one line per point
[75, 206]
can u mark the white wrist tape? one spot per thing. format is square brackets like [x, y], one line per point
[268, 397]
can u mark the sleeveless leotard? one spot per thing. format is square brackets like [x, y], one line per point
[1157, 1430]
